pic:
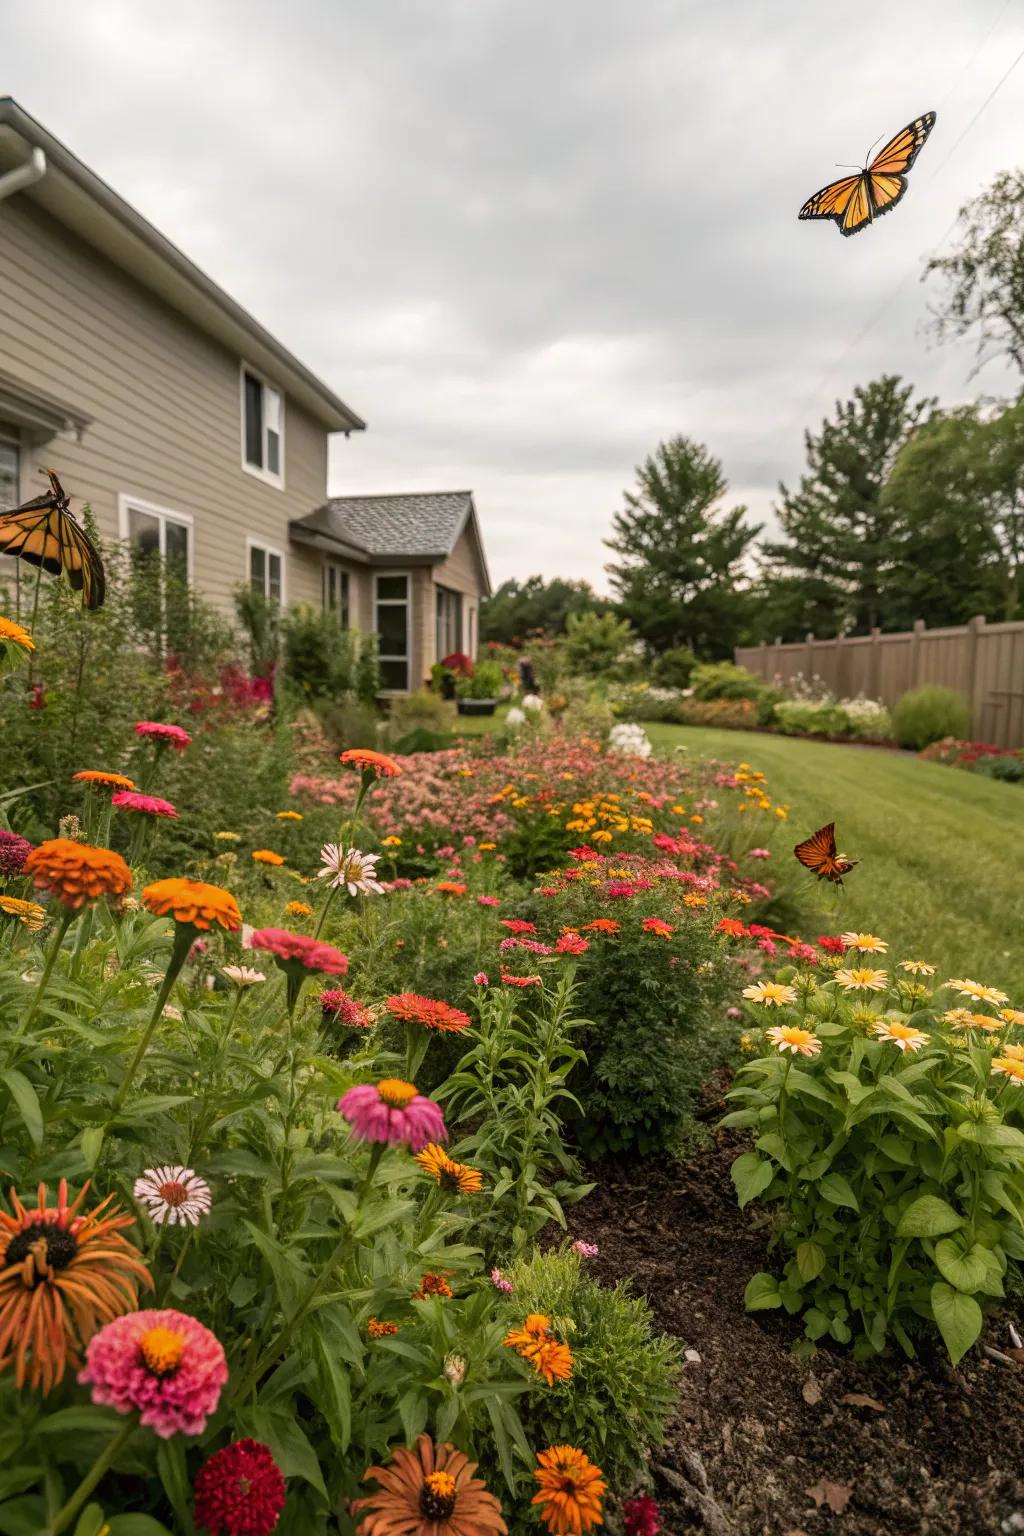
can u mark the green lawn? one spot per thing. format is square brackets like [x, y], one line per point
[941, 850]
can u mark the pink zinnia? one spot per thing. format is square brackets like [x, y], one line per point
[518, 925]
[489, 901]
[14, 850]
[805, 952]
[392, 1111]
[641, 1516]
[167, 735]
[571, 944]
[620, 888]
[152, 805]
[342, 1009]
[534, 946]
[163, 1363]
[586, 1250]
[481, 979]
[297, 950]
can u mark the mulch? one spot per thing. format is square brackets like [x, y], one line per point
[936, 1452]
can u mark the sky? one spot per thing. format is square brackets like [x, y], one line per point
[526, 240]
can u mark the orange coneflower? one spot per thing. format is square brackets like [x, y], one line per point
[62, 1276]
[453, 1177]
[75, 873]
[194, 902]
[571, 1490]
[429, 1491]
[379, 763]
[108, 780]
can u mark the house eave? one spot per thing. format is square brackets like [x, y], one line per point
[40, 416]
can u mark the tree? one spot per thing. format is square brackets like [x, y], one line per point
[957, 497]
[518, 608]
[828, 573]
[679, 577]
[985, 274]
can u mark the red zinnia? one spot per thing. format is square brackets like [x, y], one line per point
[239, 1491]
[518, 925]
[732, 927]
[428, 1011]
[294, 950]
[571, 944]
[519, 981]
[832, 945]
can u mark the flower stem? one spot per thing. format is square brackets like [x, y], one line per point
[68, 915]
[183, 938]
[104, 1461]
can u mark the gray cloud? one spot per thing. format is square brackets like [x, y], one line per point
[528, 240]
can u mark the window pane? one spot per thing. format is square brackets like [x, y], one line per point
[391, 626]
[272, 411]
[9, 496]
[343, 579]
[257, 568]
[143, 533]
[253, 421]
[274, 577]
[394, 674]
[176, 549]
[392, 586]
[330, 598]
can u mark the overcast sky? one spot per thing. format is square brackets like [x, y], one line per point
[528, 239]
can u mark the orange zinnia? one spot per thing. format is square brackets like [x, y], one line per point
[535, 1343]
[62, 1276]
[100, 776]
[379, 763]
[267, 856]
[571, 1490]
[429, 1491]
[192, 901]
[76, 873]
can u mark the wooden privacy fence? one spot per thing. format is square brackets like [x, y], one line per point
[984, 662]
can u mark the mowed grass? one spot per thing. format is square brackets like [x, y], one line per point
[941, 851]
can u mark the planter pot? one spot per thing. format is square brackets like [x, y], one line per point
[477, 706]
[447, 686]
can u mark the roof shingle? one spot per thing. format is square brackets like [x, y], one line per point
[417, 525]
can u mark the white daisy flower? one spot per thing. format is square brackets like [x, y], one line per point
[177, 1196]
[242, 975]
[347, 867]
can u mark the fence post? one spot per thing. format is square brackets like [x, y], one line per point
[762, 659]
[915, 652]
[809, 655]
[874, 668]
[974, 627]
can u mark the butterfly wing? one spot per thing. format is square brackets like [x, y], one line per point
[81, 562]
[43, 535]
[835, 201]
[855, 200]
[818, 853]
[896, 157]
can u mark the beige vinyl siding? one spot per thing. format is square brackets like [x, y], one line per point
[165, 401]
[461, 572]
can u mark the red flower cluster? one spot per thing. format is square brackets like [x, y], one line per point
[14, 850]
[411, 1008]
[518, 925]
[832, 944]
[239, 1491]
[166, 735]
[571, 944]
[641, 1517]
[337, 1006]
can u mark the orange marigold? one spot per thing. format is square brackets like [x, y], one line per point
[63, 1275]
[75, 873]
[267, 856]
[108, 780]
[450, 888]
[571, 1490]
[192, 901]
[379, 763]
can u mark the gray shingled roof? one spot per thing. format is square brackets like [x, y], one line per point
[415, 525]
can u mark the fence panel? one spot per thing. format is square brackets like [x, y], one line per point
[983, 662]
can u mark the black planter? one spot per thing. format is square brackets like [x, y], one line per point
[447, 686]
[477, 706]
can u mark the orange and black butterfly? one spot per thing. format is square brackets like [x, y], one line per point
[44, 532]
[818, 854]
[854, 201]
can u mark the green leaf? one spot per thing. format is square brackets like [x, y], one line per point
[762, 1293]
[170, 1463]
[958, 1318]
[810, 1261]
[751, 1175]
[92, 1144]
[838, 1191]
[81, 1420]
[292, 1451]
[976, 1270]
[90, 1521]
[803, 1083]
[24, 1096]
[928, 1216]
[336, 1400]
[137, 1525]
[412, 1410]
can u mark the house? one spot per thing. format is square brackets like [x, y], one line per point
[191, 431]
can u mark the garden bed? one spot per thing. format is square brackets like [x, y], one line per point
[764, 1427]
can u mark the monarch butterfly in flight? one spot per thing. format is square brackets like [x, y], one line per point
[44, 532]
[818, 854]
[854, 201]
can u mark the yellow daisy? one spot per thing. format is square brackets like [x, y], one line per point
[977, 990]
[788, 1037]
[900, 1035]
[858, 978]
[866, 943]
[772, 994]
[917, 967]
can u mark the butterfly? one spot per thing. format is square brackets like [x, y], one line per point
[855, 201]
[818, 854]
[44, 532]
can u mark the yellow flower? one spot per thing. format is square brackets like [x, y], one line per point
[1012, 1015]
[960, 1018]
[747, 1044]
[228, 837]
[691, 899]
[1010, 1067]
[979, 991]
[602, 836]
[787, 1037]
[917, 968]
[29, 913]
[771, 994]
[289, 816]
[298, 909]
[781, 812]
[13, 634]
[1014, 1052]
[392, 842]
[900, 1035]
[861, 977]
[487, 847]
[867, 943]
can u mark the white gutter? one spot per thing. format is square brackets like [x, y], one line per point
[33, 170]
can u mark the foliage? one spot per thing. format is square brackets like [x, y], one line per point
[727, 714]
[672, 668]
[1007, 767]
[420, 710]
[859, 719]
[828, 573]
[984, 274]
[640, 701]
[521, 608]
[596, 642]
[484, 682]
[898, 1168]
[724, 680]
[324, 661]
[624, 1373]
[260, 618]
[927, 714]
[679, 573]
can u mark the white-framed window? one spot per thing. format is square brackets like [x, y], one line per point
[10, 472]
[151, 531]
[471, 644]
[448, 635]
[391, 621]
[266, 570]
[336, 590]
[262, 427]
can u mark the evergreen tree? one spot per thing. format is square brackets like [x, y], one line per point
[518, 608]
[679, 576]
[828, 573]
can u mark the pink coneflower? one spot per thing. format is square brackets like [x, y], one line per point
[14, 850]
[392, 1111]
[509, 980]
[759, 853]
[586, 1250]
[571, 944]
[481, 979]
[489, 901]
[500, 1283]
[337, 1006]
[175, 1195]
[149, 805]
[518, 925]
[298, 950]
[166, 735]
[239, 1491]
[641, 1516]
[163, 1363]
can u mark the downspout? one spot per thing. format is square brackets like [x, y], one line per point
[33, 170]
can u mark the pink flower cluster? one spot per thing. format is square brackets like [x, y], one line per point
[295, 950]
[149, 805]
[337, 1006]
[166, 735]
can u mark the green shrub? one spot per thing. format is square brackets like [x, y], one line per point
[802, 717]
[927, 714]
[724, 680]
[722, 714]
[674, 668]
[595, 642]
[1009, 769]
[420, 710]
[624, 1379]
[484, 682]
